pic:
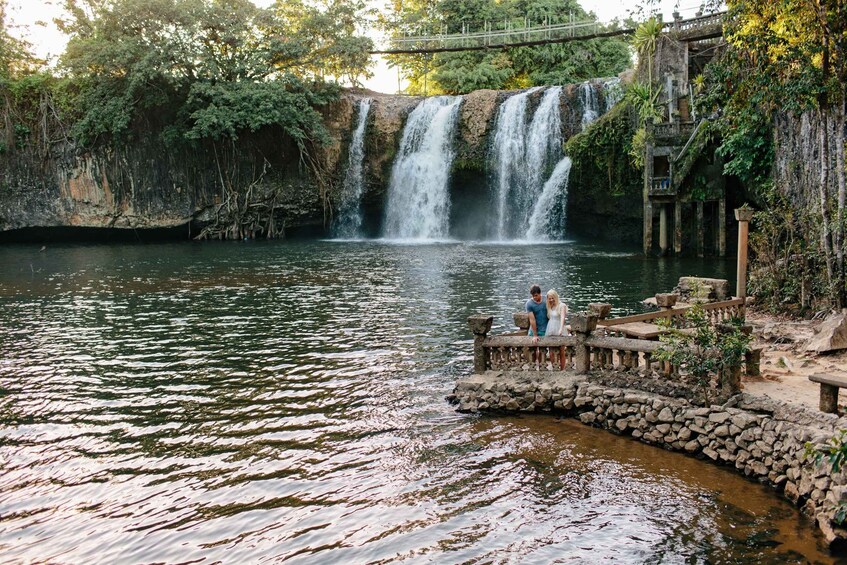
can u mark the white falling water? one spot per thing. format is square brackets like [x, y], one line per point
[418, 194]
[349, 222]
[523, 155]
[590, 103]
[548, 216]
[544, 140]
[612, 92]
[509, 151]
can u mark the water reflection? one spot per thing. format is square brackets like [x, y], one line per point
[282, 401]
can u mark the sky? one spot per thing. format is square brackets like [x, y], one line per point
[49, 42]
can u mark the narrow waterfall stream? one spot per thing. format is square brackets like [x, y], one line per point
[418, 194]
[612, 92]
[548, 216]
[590, 103]
[348, 224]
[509, 150]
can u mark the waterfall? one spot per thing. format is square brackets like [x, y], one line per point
[523, 155]
[590, 103]
[348, 225]
[509, 150]
[418, 198]
[548, 216]
[612, 92]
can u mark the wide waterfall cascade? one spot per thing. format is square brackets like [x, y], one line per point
[418, 193]
[612, 92]
[590, 103]
[523, 154]
[547, 221]
[348, 225]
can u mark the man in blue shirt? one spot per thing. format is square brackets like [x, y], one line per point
[537, 309]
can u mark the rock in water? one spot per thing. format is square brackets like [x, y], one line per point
[831, 337]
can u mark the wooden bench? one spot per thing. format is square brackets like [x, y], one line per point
[829, 391]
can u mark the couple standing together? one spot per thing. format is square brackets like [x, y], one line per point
[546, 317]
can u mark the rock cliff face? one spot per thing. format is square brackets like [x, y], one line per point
[797, 159]
[140, 185]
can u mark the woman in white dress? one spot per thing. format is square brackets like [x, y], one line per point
[556, 313]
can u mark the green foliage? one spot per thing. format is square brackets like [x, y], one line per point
[600, 153]
[521, 67]
[645, 101]
[702, 350]
[788, 269]
[207, 68]
[834, 451]
[644, 41]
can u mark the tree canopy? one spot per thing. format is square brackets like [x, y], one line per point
[208, 68]
[457, 73]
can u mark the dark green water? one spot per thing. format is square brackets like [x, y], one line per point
[267, 402]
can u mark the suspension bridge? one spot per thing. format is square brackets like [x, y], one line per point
[693, 29]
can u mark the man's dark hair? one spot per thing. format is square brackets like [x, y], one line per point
[535, 289]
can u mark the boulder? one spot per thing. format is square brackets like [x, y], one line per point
[831, 337]
[702, 289]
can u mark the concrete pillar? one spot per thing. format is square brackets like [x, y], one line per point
[721, 235]
[582, 324]
[743, 215]
[829, 399]
[677, 227]
[648, 226]
[666, 301]
[701, 230]
[663, 229]
[480, 326]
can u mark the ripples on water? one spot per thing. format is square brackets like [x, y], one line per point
[285, 401]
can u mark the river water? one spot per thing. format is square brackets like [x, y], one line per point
[284, 401]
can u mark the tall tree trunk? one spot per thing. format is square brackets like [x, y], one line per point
[842, 198]
[823, 192]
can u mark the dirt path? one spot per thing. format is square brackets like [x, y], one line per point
[785, 365]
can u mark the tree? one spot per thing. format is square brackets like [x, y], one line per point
[199, 64]
[461, 72]
[789, 55]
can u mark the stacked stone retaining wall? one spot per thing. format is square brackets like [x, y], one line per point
[761, 438]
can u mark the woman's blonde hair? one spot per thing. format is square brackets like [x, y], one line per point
[555, 295]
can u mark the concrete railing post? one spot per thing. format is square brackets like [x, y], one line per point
[582, 324]
[600, 309]
[666, 301]
[743, 215]
[480, 326]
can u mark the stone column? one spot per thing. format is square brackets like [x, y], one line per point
[677, 227]
[743, 215]
[648, 226]
[600, 309]
[666, 301]
[663, 229]
[480, 326]
[721, 235]
[701, 230]
[582, 324]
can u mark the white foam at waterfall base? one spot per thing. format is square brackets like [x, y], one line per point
[548, 216]
[348, 225]
[418, 193]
